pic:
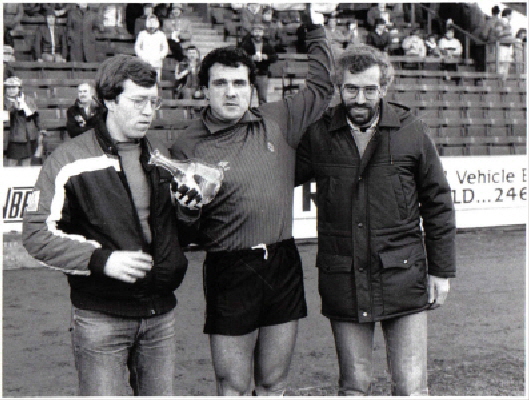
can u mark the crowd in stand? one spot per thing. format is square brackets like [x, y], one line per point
[67, 32]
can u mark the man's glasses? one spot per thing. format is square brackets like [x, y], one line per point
[370, 92]
[141, 102]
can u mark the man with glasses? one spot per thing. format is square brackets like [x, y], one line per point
[105, 217]
[253, 279]
[377, 174]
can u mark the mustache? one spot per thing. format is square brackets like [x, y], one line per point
[356, 105]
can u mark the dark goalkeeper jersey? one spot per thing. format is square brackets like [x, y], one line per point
[254, 203]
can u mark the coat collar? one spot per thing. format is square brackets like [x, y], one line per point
[79, 107]
[388, 117]
[250, 116]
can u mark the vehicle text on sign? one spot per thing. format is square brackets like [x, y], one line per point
[501, 187]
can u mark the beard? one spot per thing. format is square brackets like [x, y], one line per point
[360, 114]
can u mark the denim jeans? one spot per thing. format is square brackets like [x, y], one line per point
[406, 349]
[110, 350]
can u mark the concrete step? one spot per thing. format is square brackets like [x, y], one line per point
[207, 43]
[213, 41]
[200, 25]
[207, 35]
[206, 50]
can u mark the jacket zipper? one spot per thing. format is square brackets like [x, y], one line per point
[138, 224]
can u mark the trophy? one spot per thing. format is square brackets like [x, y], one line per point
[205, 177]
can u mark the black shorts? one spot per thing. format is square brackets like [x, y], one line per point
[245, 291]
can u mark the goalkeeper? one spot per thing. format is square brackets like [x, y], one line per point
[253, 277]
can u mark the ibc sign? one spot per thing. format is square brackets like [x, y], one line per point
[16, 187]
[15, 203]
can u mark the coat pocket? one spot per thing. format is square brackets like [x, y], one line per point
[404, 278]
[402, 257]
[336, 285]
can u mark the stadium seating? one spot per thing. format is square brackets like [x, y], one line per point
[469, 114]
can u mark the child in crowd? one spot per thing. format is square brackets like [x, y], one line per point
[432, 49]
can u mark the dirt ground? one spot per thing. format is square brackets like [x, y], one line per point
[476, 340]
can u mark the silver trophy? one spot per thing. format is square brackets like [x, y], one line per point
[204, 177]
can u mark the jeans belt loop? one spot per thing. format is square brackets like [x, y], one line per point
[262, 246]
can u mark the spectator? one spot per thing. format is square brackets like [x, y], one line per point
[520, 49]
[272, 29]
[81, 28]
[51, 44]
[352, 35]
[521, 35]
[337, 38]
[290, 17]
[151, 45]
[162, 11]
[263, 55]
[140, 23]
[506, 40]
[451, 49]
[60, 10]
[83, 115]
[385, 14]
[372, 15]
[9, 53]
[217, 12]
[9, 57]
[492, 29]
[24, 129]
[178, 26]
[301, 34]
[178, 32]
[13, 13]
[432, 49]
[449, 46]
[33, 9]
[395, 47]
[9, 45]
[413, 45]
[379, 38]
[133, 11]
[490, 33]
[250, 15]
[111, 17]
[186, 74]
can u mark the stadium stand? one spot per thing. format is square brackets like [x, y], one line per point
[473, 113]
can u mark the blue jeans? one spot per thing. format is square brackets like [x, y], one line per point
[406, 349]
[109, 350]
